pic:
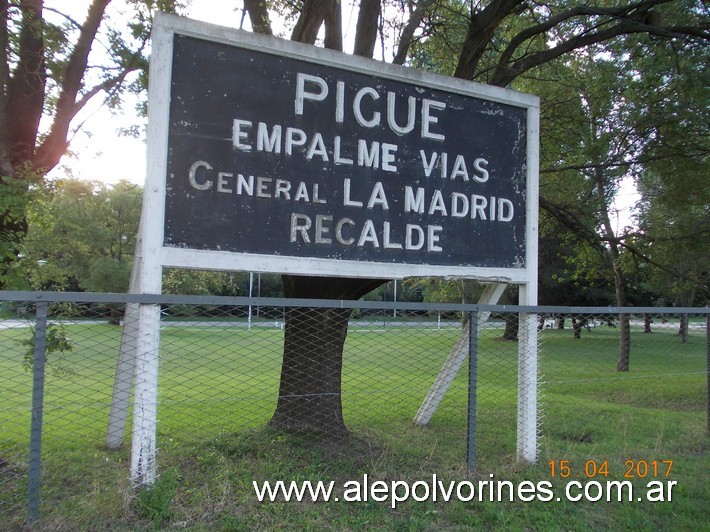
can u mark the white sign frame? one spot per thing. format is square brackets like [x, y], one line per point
[166, 26]
[139, 354]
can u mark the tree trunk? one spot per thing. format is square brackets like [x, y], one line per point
[622, 363]
[511, 327]
[115, 315]
[313, 14]
[367, 25]
[647, 323]
[612, 252]
[259, 16]
[683, 328]
[577, 327]
[406, 37]
[309, 393]
[481, 28]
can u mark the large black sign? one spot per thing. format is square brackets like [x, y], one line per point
[276, 155]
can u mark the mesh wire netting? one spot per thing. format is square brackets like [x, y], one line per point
[236, 382]
[608, 393]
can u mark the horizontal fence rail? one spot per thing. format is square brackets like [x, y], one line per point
[163, 299]
[255, 387]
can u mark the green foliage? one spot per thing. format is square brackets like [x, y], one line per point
[81, 236]
[610, 112]
[631, 106]
[108, 275]
[675, 234]
[657, 411]
[201, 282]
[54, 65]
[447, 30]
[17, 193]
[444, 290]
[438, 52]
[628, 111]
[674, 211]
[189, 282]
[58, 344]
[154, 501]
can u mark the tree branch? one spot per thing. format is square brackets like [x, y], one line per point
[577, 11]
[632, 20]
[334, 26]
[367, 24]
[65, 16]
[259, 16]
[570, 220]
[645, 258]
[507, 74]
[55, 145]
[310, 20]
[480, 32]
[406, 38]
[26, 87]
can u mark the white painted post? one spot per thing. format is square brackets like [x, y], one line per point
[120, 400]
[455, 360]
[527, 381]
[527, 323]
[146, 349]
[138, 363]
[394, 311]
[251, 286]
[145, 403]
[149, 254]
[143, 348]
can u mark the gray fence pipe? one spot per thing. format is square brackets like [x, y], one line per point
[158, 299]
[38, 366]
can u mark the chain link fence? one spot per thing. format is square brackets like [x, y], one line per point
[251, 387]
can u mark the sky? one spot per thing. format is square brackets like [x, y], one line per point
[101, 153]
[98, 150]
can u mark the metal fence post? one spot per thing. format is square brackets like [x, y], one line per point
[472, 390]
[38, 366]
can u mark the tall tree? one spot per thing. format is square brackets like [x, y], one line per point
[503, 40]
[48, 75]
[674, 212]
[81, 236]
[648, 115]
[601, 151]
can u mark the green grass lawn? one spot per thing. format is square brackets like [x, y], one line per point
[218, 388]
